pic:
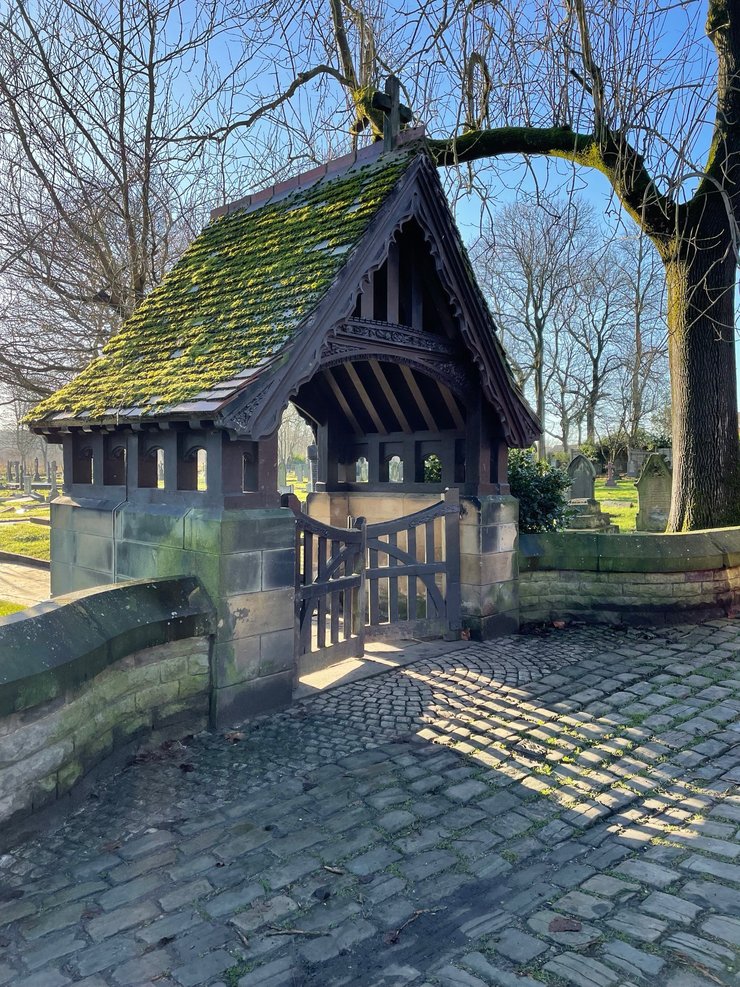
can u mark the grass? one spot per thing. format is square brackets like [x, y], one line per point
[25, 538]
[16, 507]
[7, 608]
[619, 501]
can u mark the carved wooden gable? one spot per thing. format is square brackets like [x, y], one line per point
[402, 340]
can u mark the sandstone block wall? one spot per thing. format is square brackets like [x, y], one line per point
[629, 579]
[95, 675]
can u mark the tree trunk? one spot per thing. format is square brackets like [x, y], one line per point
[591, 402]
[701, 349]
[539, 396]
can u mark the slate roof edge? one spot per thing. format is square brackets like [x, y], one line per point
[332, 169]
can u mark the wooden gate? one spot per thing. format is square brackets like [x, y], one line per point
[385, 579]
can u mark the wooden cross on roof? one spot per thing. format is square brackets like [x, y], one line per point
[394, 111]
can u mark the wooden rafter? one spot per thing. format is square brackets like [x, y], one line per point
[426, 414]
[365, 398]
[452, 407]
[390, 396]
[337, 392]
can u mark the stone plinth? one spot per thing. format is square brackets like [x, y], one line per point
[588, 516]
[489, 567]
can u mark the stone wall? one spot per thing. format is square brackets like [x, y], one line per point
[245, 559]
[629, 579]
[95, 675]
[489, 567]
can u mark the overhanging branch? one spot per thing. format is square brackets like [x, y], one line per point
[612, 156]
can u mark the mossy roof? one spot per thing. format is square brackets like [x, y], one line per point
[236, 298]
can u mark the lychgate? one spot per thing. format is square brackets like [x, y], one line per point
[347, 291]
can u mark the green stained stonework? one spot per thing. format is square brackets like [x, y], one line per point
[237, 296]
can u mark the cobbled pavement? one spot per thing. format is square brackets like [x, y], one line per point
[560, 808]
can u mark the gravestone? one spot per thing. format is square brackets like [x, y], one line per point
[54, 492]
[586, 513]
[636, 459]
[36, 474]
[312, 454]
[611, 480]
[654, 494]
[582, 476]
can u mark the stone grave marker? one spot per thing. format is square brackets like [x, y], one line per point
[611, 480]
[586, 513]
[582, 476]
[654, 494]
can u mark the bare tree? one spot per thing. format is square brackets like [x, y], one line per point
[643, 336]
[103, 176]
[526, 270]
[627, 92]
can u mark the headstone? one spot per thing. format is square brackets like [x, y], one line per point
[27, 481]
[54, 492]
[36, 474]
[582, 476]
[611, 480]
[654, 494]
[312, 453]
[9, 468]
[635, 461]
[585, 510]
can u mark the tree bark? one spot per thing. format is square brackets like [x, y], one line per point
[701, 350]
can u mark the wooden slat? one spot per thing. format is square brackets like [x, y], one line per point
[392, 582]
[417, 298]
[334, 551]
[411, 581]
[321, 561]
[419, 398]
[342, 401]
[367, 402]
[392, 268]
[315, 590]
[429, 554]
[390, 396]
[374, 594]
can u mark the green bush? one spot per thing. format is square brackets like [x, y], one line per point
[541, 490]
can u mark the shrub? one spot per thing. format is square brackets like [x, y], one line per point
[541, 490]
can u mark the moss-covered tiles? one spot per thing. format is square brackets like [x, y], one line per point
[238, 295]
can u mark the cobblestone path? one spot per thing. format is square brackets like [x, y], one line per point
[560, 808]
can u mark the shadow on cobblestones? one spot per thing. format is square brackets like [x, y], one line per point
[561, 808]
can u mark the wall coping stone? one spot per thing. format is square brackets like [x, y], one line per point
[692, 551]
[62, 643]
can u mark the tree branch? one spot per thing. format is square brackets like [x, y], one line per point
[612, 156]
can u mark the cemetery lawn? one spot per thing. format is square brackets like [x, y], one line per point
[25, 538]
[15, 506]
[7, 608]
[619, 501]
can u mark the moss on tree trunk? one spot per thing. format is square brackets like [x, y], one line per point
[701, 348]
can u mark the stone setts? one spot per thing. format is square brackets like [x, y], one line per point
[559, 809]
